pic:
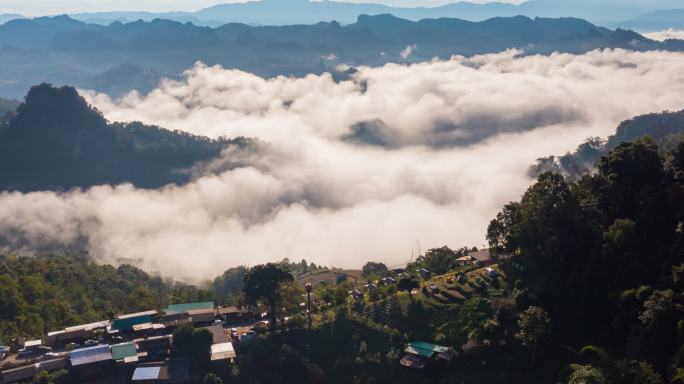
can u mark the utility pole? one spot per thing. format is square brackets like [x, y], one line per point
[308, 301]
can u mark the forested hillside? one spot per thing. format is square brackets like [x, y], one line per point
[46, 293]
[57, 141]
[604, 256]
[666, 128]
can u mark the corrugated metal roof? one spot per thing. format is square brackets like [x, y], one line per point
[33, 343]
[482, 255]
[146, 373]
[122, 351]
[425, 349]
[127, 323]
[96, 325]
[53, 365]
[149, 313]
[177, 308]
[218, 333]
[222, 351]
[19, 374]
[90, 355]
[430, 346]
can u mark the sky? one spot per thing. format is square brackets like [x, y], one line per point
[452, 141]
[49, 7]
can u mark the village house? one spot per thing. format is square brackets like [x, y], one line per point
[419, 354]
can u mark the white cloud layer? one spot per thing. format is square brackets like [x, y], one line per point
[444, 145]
[665, 35]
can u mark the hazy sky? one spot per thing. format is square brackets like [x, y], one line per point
[43, 7]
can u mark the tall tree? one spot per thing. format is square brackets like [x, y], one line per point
[535, 329]
[262, 283]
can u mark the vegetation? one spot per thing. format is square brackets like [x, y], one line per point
[603, 256]
[591, 291]
[263, 282]
[666, 128]
[193, 344]
[46, 293]
[57, 135]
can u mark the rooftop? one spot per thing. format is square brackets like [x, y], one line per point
[90, 355]
[96, 325]
[222, 351]
[148, 373]
[483, 255]
[122, 351]
[33, 343]
[148, 313]
[127, 323]
[177, 308]
[422, 348]
[218, 333]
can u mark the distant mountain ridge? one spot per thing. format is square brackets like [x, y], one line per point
[120, 57]
[280, 12]
[658, 21]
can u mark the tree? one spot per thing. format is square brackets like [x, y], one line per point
[194, 345]
[211, 378]
[373, 269]
[535, 329]
[262, 282]
[438, 260]
[408, 284]
[501, 232]
[586, 374]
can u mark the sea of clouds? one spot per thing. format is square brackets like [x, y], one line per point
[349, 171]
[665, 35]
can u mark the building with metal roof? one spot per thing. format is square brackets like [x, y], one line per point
[222, 351]
[218, 333]
[149, 374]
[127, 323]
[18, 374]
[53, 365]
[170, 371]
[32, 344]
[185, 307]
[419, 353]
[137, 314]
[91, 355]
[122, 351]
[198, 316]
[175, 320]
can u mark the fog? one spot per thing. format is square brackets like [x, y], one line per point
[346, 172]
[665, 35]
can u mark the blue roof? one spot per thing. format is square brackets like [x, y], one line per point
[424, 349]
[146, 373]
[127, 323]
[90, 355]
[122, 351]
[178, 308]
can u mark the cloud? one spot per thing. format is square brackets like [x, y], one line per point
[665, 35]
[346, 171]
[406, 53]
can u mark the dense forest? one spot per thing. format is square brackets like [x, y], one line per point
[45, 293]
[603, 255]
[55, 140]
